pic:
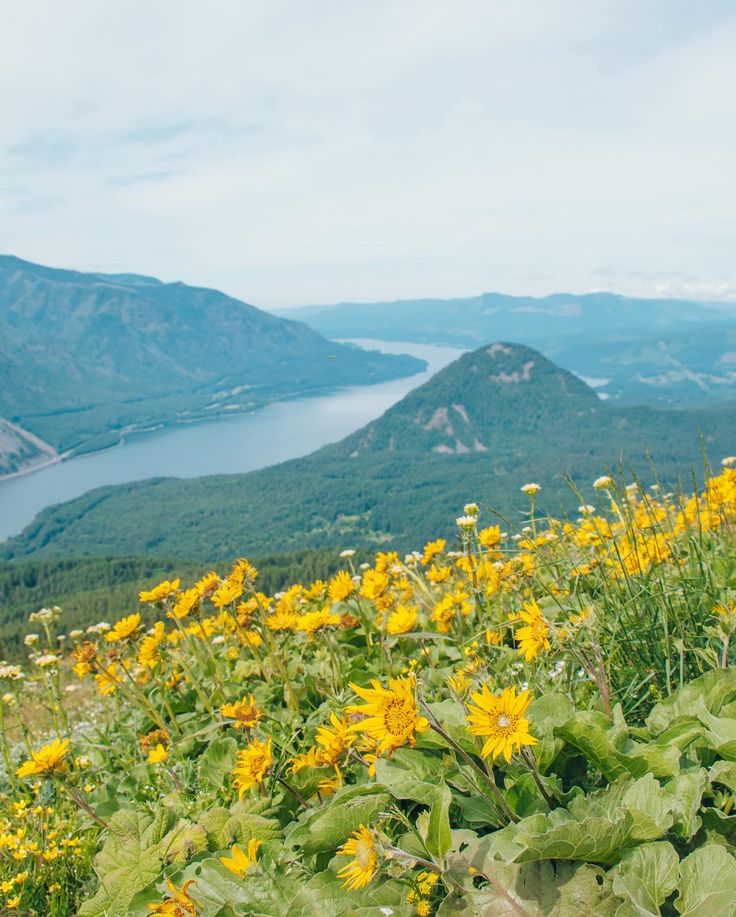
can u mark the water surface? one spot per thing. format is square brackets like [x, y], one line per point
[224, 446]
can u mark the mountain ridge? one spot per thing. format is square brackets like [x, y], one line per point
[398, 491]
[85, 357]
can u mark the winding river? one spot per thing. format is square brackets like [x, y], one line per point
[224, 446]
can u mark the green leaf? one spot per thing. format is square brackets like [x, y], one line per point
[707, 883]
[720, 734]
[411, 774]
[646, 875]
[128, 861]
[546, 713]
[439, 839]
[686, 793]
[611, 750]
[535, 890]
[708, 693]
[724, 772]
[218, 761]
[327, 828]
[559, 836]
[324, 895]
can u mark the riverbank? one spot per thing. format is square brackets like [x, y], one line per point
[226, 444]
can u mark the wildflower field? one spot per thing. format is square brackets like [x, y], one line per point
[532, 722]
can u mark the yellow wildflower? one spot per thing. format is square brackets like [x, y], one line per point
[391, 714]
[402, 620]
[125, 628]
[364, 866]
[180, 904]
[252, 765]
[500, 719]
[432, 549]
[47, 760]
[244, 712]
[160, 592]
[534, 636]
[239, 861]
[341, 587]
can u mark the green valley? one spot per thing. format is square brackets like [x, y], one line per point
[479, 429]
[86, 358]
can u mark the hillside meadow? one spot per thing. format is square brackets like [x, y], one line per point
[538, 721]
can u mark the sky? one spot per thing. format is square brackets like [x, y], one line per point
[296, 153]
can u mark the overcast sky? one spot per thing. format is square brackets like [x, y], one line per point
[308, 152]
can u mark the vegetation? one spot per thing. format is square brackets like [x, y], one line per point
[539, 723]
[146, 353]
[640, 351]
[99, 587]
[495, 415]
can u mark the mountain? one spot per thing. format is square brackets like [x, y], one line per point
[489, 422]
[85, 358]
[536, 321]
[686, 367]
[639, 351]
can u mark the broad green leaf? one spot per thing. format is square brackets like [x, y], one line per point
[439, 839]
[646, 875]
[643, 799]
[128, 861]
[723, 772]
[411, 774]
[545, 713]
[720, 734]
[218, 761]
[685, 793]
[560, 837]
[707, 883]
[326, 896]
[708, 693]
[329, 827]
[536, 890]
[613, 752]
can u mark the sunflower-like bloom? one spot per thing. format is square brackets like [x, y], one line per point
[158, 754]
[341, 586]
[334, 739]
[107, 680]
[180, 904]
[244, 712]
[432, 549]
[391, 714]
[534, 636]
[361, 846]
[239, 861]
[310, 758]
[402, 620]
[313, 621]
[47, 760]
[500, 718]
[185, 604]
[149, 654]
[160, 592]
[125, 628]
[252, 765]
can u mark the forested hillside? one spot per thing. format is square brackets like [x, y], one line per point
[495, 416]
[85, 357]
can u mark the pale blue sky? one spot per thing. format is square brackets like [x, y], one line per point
[303, 152]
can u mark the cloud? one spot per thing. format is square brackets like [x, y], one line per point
[292, 152]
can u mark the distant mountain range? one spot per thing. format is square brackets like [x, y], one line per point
[494, 419]
[637, 351]
[86, 357]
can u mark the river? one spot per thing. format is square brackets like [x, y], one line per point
[229, 445]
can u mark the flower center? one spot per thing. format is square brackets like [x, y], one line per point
[506, 722]
[398, 719]
[363, 854]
